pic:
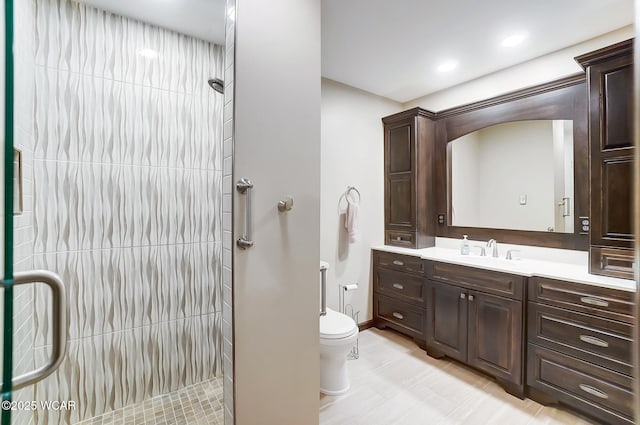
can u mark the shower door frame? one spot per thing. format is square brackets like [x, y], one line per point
[228, 364]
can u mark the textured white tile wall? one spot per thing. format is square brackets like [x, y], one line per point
[126, 206]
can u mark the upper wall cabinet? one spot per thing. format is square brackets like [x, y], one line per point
[408, 186]
[610, 82]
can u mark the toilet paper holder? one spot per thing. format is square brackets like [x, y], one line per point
[350, 311]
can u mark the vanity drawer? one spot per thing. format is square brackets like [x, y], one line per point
[610, 261]
[605, 302]
[587, 387]
[402, 286]
[602, 341]
[404, 263]
[404, 239]
[503, 284]
[407, 318]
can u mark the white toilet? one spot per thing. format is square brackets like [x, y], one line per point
[338, 335]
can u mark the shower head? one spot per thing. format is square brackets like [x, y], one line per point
[217, 84]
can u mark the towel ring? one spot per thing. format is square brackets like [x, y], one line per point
[352, 189]
[346, 198]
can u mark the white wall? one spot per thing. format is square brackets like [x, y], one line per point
[352, 155]
[277, 145]
[540, 70]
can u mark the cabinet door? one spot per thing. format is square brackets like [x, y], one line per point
[496, 336]
[612, 157]
[447, 320]
[400, 175]
[400, 147]
[401, 201]
[612, 152]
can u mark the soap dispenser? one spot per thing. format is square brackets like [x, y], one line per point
[465, 248]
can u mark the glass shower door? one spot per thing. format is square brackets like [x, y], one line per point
[113, 175]
[20, 369]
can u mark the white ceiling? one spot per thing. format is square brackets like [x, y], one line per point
[393, 47]
[202, 19]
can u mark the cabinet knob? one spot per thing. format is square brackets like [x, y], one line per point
[463, 296]
[471, 297]
[398, 286]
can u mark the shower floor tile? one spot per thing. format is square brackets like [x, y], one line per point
[199, 404]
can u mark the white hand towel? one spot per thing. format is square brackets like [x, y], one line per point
[351, 221]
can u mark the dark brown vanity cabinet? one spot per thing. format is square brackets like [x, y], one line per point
[610, 83]
[408, 188]
[476, 316]
[579, 348]
[399, 298]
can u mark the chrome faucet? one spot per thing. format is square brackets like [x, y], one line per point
[493, 243]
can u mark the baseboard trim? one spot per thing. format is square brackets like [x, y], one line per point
[365, 325]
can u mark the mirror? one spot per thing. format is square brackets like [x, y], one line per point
[515, 175]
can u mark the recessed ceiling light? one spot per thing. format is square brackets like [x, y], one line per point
[148, 53]
[447, 66]
[513, 40]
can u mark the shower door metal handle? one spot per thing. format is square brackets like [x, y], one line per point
[59, 326]
[245, 241]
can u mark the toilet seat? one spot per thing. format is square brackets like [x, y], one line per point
[336, 325]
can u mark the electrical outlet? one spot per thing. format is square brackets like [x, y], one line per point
[585, 225]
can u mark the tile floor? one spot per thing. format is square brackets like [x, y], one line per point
[394, 382]
[199, 404]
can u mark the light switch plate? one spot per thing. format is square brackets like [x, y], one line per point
[523, 199]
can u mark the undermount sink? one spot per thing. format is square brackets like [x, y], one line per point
[488, 260]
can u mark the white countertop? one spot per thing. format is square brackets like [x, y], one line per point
[526, 267]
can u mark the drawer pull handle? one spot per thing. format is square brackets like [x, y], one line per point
[471, 297]
[463, 295]
[593, 341]
[398, 286]
[593, 391]
[397, 315]
[398, 262]
[595, 301]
